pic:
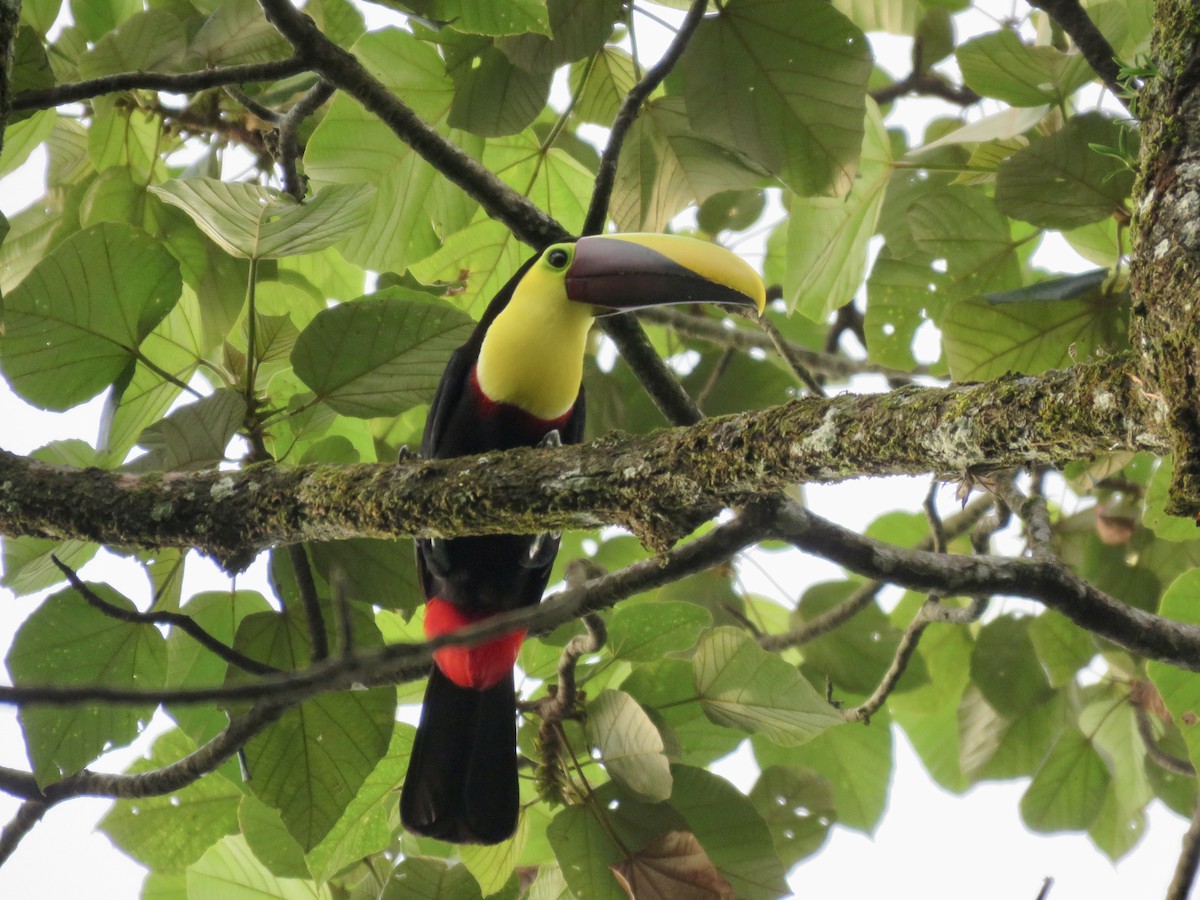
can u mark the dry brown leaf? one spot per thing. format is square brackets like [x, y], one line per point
[673, 867]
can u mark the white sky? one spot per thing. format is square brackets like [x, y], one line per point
[930, 844]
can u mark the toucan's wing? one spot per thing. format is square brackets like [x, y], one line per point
[449, 390]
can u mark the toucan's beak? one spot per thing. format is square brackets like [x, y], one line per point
[629, 271]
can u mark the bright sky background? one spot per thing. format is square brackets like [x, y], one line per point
[930, 844]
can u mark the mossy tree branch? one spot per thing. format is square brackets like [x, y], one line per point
[661, 486]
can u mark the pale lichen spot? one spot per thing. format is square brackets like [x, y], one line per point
[222, 489]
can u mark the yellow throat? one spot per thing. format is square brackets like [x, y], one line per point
[532, 355]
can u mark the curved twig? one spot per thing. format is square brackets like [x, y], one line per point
[186, 624]
[529, 223]
[188, 83]
[1094, 46]
[606, 174]
[28, 815]
[289, 136]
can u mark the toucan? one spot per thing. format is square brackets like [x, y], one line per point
[517, 383]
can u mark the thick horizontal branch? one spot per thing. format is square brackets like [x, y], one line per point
[660, 486]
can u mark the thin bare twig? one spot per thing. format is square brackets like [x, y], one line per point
[697, 324]
[606, 174]
[1189, 860]
[1155, 753]
[249, 103]
[289, 136]
[1074, 20]
[28, 815]
[397, 663]
[186, 624]
[336, 65]
[318, 636]
[188, 83]
[794, 360]
[865, 595]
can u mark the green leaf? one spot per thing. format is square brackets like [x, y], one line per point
[169, 832]
[376, 572]
[23, 137]
[1062, 646]
[191, 665]
[151, 41]
[78, 318]
[892, 16]
[666, 166]
[609, 78]
[854, 657]
[1067, 287]
[798, 806]
[380, 355]
[96, 18]
[648, 631]
[494, 866]
[856, 760]
[268, 839]
[900, 299]
[426, 878]
[485, 250]
[67, 642]
[366, 825]
[1172, 528]
[254, 222]
[1059, 181]
[143, 393]
[732, 832]
[984, 340]
[665, 690]
[743, 686]
[552, 179]
[827, 237]
[999, 65]
[630, 746]
[495, 97]
[783, 81]
[579, 30]
[230, 871]
[962, 227]
[1005, 667]
[1067, 792]
[484, 17]
[237, 32]
[1180, 690]
[194, 436]
[312, 762]
[28, 567]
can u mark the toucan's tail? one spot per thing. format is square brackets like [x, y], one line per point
[461, 784]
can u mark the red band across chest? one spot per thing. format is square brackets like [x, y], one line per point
[489, 408]
[477, 667]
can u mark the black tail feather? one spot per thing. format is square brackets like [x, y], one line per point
[461, 784]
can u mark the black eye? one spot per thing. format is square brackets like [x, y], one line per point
[557, 258]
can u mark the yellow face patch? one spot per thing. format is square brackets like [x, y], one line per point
[532, 355]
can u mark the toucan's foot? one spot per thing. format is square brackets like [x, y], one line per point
[551, 439]
[405, 453]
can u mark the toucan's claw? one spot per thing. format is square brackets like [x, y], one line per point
[551, 439]
[439, 555]
[405, 453]
[543, 549]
